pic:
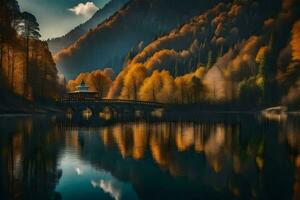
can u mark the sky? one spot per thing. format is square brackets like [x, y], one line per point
[57, 17]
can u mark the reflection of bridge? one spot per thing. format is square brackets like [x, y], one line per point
[112, 108]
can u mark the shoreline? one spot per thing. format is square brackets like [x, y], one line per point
[59, 112]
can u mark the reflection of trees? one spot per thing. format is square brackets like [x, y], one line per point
[214, 141]
[290, 133]
[227, 158]
[245, 158]
[29, 151]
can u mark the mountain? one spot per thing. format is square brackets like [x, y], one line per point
[108, 10]
[241, 53]
[130, 29]
[244, 51]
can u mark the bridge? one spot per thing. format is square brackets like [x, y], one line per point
[86, 103]
[110, 108]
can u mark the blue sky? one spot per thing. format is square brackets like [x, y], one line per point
[57, 17]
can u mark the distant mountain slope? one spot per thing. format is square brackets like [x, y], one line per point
[133, 27]
[108, 10]
[199, 42]
[246, 51]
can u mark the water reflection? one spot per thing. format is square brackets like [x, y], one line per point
[244, 158]
[87, 113]
[28, 158]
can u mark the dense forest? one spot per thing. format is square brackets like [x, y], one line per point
[242, 52]
[27, 69]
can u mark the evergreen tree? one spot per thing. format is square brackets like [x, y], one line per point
[28, 27]
[209, 60]
[176, 72]
[196, 87]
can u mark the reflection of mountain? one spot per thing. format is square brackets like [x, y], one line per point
[134, 26]
[108, 10]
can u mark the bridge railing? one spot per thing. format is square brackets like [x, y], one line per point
[100, 100]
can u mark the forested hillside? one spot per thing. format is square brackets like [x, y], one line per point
[27, 69]
[125, 33]
[245, 52]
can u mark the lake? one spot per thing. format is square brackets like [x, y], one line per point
[234, 156]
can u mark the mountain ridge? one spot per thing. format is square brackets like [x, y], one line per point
[131, 28]
[215, 57]
[56, 44]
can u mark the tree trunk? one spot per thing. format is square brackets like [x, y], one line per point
[153, 93]
[182, 93]
[1, 56]
[26, 68]
[100, 85]
[43, 82]
[9, 62]
[135, 90]
[12, 73]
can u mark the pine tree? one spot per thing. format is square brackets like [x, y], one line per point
[28, 27]
[176, 73]
[209, 60]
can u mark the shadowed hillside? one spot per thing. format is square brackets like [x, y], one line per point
[129, 30]
[245, 53]
[56, 44]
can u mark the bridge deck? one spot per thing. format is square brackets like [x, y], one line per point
[108, 101]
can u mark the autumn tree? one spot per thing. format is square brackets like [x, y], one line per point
[9, 10]
[209, 59]
[133, 81]
[159, 87]
[267, 71]
[181, 89]
[26, 64]
[101, 82]
[250, 92]
[151, 87]
[197, 88]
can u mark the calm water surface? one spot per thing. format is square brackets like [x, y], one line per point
[233, 157]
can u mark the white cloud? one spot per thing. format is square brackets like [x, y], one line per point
[109, 186]
[86, 10]
[78, 171]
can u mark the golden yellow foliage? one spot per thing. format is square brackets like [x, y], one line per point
[260, 54]
[37, 80]
[133, 81]
[99, 81]
[295, 41]
[158, 87]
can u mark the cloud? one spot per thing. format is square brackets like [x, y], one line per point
[78, 171]
[109, 186]
[86, 10]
